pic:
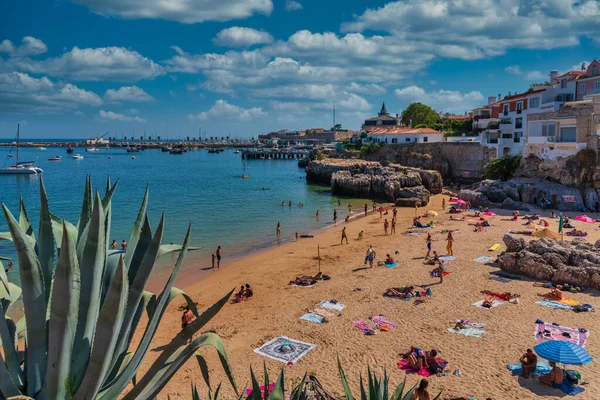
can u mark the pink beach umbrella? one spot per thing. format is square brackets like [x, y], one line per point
[585, 218]
[490, 214]
[453, 199]
[460, 201]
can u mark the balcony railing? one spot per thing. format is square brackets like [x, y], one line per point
[493, 125]
[507, 136]
[505, 121]
[505, 113]
[492, 140]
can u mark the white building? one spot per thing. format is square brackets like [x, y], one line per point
[404, 135]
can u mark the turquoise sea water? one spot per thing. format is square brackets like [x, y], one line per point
[198, 187]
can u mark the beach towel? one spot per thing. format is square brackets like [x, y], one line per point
[546, 331]
[322, 313]
[314, 318]
[472, 332]
[437, 275]
[414, 233]
[495, 303]
[542, 368]
[571, 389]
[499, 279]
[569, 302]
[380, 321]
[392, 265]
[405, 366]
[363, 326]
[484, 259]
[445, 259]
[284, 349]
[508, 276]
[554, 304]
[329, 305]
[494, 247]
[306, 287]
[471, 324]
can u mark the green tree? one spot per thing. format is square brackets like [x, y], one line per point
[502, 168]
[419, 114]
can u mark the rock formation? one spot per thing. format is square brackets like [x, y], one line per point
[394, 183]
[576, 263]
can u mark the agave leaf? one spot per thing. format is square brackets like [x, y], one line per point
[266, 378]
[86, 207]
[363, 393]
[255, 395]
[438, 396]
[298, 392]
[5, 236]
[9, 293]
[92, 267]
[408, 394]
[24, 219]
[216, 396]
[45, 241]
[106, 203]
[117, 385]
[384, 392]
[278, 392]
[195, 395]
[107, 330]
[7, 386]
[161, 375]
[204, 370]
[174, 293]
[345, 382]
[171, 248]
[399, 390]
[137, 226]
[141, 249]
[139, 283]
[63, 321]
[146, 298]
[112, 262]
[8, 348]
[32, 281]
[180, 339]
[57, 229]
[372, 392]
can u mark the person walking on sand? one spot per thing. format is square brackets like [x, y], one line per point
[386, 225]
[450, 240]
[394, 213]
[393, 226]
[443, 204]
[428, 241]
[213, 261]
[366, 209]
[380, 212]
[334, 216]
[278, 229]
[370, 256]
[344, 236]
[296, 236]
[186, 319]
[219, 255]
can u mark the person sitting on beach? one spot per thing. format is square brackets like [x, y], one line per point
[576, 232]
[453, 210]
[389, 259]
[528, 363]
[416, 359]
[477, 214]
[555, 294]
[478, 228]
[249, 292]
[553, 215]
[347, 218]
[433, 367]
[543, 222]
[400, 292]
[554, 378]
[421, 393]
[239, 296]
[303, 281]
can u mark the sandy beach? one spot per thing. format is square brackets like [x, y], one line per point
[276, 307]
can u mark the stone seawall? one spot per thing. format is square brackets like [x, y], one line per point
[404, 186]
[462, 161]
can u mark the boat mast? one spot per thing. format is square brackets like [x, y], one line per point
[17, 161]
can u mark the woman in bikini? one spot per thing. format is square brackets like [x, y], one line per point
[450, 240]
[421, 393]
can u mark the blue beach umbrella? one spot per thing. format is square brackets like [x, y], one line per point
[563, 352]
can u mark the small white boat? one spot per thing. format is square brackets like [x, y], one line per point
[20, 168]
[133, 157]
[77, 157]
[236, 152]
[55, 158]
[41, 148]
[91, 149]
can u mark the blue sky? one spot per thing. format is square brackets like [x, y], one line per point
[242, 67]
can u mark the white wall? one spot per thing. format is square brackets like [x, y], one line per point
[406, 138]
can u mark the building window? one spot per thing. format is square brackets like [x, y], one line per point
[597, 85]
[408, 139]
[519, 107]
[424, 139]
[568, 134]
[548, 129]
[534, 102]
[394, 140]
[582, 87]
[563, 83]
[595, 70]
[518, 123]
[505, 109]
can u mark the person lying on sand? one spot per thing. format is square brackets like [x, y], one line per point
[577, 233]
[505, 296]
[453, 218]
[555, 294]
[487, 303]
[400, 292]
[433, 260]
[533, 217]
[543, 223]
[307, 280]
[528, 233]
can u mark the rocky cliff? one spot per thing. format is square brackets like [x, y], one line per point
[391, 182]
[576, 263]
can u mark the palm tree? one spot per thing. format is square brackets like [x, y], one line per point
[158, 137]
[149, 138]
[124, 138]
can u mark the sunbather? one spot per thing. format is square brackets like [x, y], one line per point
[555, 294]
[453, 218]
[389, 259]
[400, 292]
[505, 296]
[528, 363]
[576, 232]
[554, 378]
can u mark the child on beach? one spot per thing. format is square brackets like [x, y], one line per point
[278, 229]
[360, 235]
[213, 261]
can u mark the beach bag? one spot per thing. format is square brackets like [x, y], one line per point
[572, 377]
[434, 368]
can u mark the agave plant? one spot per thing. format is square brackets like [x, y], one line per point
[83, 303]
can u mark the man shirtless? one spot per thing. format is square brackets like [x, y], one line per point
[554, 378]
[528, 363]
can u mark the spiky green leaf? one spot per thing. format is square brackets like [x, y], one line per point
[345, 384]
[45, 240]
[137, 227]
[11, 358]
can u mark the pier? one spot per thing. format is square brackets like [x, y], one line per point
[274, 154]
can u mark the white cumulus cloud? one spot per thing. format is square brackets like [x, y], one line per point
[513, 69]
[238, 36]
[223, 110]
[442, 100]
[292, 5]
[128, 93]
[186, 11]
[113, 116]
[30, 46]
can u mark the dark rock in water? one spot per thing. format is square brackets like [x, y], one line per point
[576, 263]
[372, 179]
